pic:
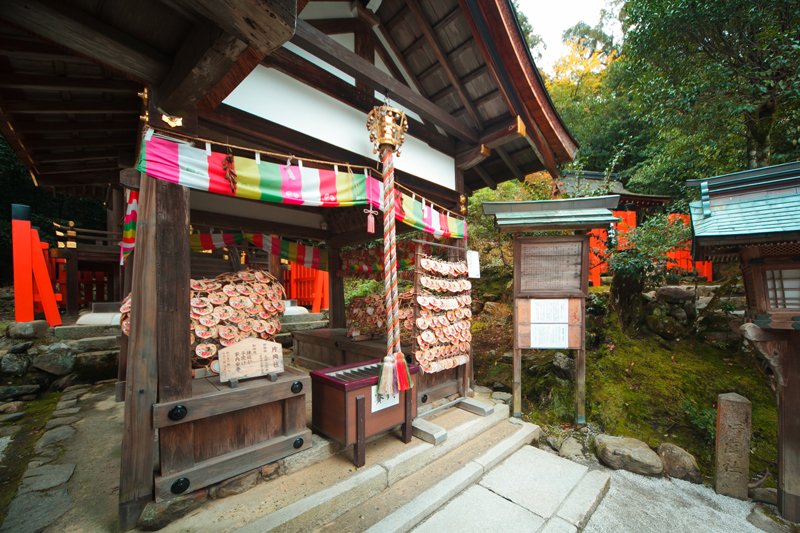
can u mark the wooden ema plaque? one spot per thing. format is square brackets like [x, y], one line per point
[250, 358]
[542, 324]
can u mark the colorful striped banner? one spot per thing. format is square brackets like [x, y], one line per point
[128, 242]
[293, 184]
[294, 252]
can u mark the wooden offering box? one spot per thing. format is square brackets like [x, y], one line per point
[345, 406]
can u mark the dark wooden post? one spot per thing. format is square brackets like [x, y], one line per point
[336, 289]
[172, 294]
[136, 465]
[781, 350]
[73, 283]
[157, 365]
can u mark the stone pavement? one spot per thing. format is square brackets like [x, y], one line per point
[532, 490]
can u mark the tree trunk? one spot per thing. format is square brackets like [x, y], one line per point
[759, 130]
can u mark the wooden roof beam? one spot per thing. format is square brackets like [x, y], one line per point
[472, 157]
[485, 177]
[75, 157]
[263, 25]
[79, 178]
[469, 78]
[74, 126]
[443, 60]
[94, 107]
[455, 52]
[39, 146]
[203, 60]
[13, 80]
[73, 169]
[443, 22]
[512, 166]
[312, 40]
[87, 36]
[37, 50]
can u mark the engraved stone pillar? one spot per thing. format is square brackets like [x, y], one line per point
[733, 445]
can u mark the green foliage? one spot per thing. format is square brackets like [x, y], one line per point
[534, 41]
[703, 419]
[357, 288]
[646, 257]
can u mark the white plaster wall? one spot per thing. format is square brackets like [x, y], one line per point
[279, 98]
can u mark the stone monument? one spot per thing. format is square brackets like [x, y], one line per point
[733, 445]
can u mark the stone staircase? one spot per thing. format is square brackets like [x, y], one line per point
[325, 492]
[96, 348]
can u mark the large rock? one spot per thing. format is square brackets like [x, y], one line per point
[158, 514]
[35, 329]
[20, 347]
[14, 364]
[660, 321]
[95, 344]
[59, 359]
[674, 295]
[15, 391]
[571, 449]
[94, 366]
[628, 454]
[563, 366]
[678, 463]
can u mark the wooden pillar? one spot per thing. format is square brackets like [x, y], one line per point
[141, 384]
[157, 365]
[789, 430]
[336, 288]
[781, 350]
[172, 294]
[73, 283]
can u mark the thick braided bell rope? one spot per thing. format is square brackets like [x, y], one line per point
[390, 255]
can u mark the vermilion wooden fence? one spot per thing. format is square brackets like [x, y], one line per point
[308, 286]
[676, 260]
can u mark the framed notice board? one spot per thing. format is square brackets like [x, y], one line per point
[551, 282]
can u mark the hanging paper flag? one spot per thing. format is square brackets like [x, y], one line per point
[129, 226]
[289, 183]
[308, 256]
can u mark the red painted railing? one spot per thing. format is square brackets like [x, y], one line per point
[308, 286]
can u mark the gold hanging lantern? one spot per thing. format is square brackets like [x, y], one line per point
[387, 126]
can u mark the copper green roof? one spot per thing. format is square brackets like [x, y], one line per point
[568, 214]
[746, 208]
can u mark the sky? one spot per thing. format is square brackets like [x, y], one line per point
[550, 19]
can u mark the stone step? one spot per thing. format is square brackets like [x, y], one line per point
[300, 326]
[96, 366]
[304, 317]
[70, 333]
[95, 344]
[312, 497]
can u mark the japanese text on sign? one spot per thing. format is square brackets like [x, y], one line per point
[250, 358]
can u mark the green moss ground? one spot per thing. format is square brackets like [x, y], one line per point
[646, 388]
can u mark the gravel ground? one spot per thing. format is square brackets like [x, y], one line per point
[642, 505]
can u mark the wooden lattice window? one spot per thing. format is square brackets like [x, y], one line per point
[783, 288]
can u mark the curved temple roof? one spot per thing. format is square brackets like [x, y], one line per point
[72, 71]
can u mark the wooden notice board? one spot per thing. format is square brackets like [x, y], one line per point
[550, 287]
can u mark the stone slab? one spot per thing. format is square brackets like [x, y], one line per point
[69, 333]
[410, 514]
[12, 417]
[66, 412]
[66, 404]
[99, 319]
[478, 510]
[476, 406]
[54, 435]
[536, 480]
[558, 525]
[33, 511]
[309, 512]
[526, 434]
[45, 477]
[428, 431]
[4, 442]
[95, 344]
[584, 499]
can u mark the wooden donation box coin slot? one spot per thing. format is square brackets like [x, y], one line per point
[346, 407]
[250, 358]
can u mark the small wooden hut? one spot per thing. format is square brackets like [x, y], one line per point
[754, 217]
